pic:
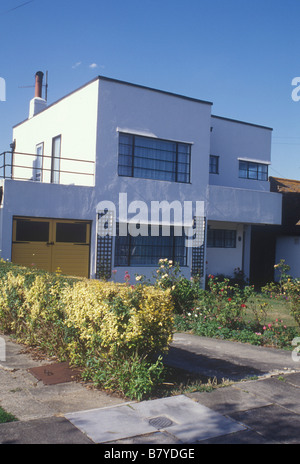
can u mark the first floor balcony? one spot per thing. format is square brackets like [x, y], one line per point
[48, 169]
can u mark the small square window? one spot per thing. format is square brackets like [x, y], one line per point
[213, 164]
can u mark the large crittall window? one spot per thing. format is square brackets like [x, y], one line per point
[221, 238]
[254, 171]
[151, 158]
[148, 250]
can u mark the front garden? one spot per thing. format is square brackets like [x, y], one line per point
[117, 333]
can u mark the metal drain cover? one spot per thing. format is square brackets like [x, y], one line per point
[160, 422]
[55, 373]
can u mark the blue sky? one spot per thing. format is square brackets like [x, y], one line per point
[241, 55]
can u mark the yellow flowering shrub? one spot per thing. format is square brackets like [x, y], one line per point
[115, 331]
[112, 318]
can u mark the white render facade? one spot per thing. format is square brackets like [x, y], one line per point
[110, 138]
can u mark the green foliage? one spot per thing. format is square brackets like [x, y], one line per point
[184, 292]
[132, 376]
[6, 416]
[287, 289]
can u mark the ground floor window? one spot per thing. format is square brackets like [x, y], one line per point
[221, 238]
[148, 250]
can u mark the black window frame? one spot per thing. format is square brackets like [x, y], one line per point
[132, 156]
[213, 164]
[221, 238]
[130, 244]
[251, 170]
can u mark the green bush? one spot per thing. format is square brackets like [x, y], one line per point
[184, 292]
[91, 323]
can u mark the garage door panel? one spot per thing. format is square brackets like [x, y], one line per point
[72, 260]
[27, 254]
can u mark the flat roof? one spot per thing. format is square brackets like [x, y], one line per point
[241, 122]
[154, 90]
[109, 79]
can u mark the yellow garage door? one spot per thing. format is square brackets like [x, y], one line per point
[50, 244]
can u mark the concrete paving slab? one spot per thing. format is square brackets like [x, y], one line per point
[51, 430]
[281, 392]
[229, 399]
[26, 398]
[293, 379]
[16, 356]
[157, 438]
[273, 423]
[247, 437]
[182, 418]
[108, 424]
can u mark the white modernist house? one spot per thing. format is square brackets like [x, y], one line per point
[115, 176]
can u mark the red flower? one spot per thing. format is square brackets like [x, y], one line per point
[243, 306]
[229, 299]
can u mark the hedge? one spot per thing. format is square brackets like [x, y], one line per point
[116, 332]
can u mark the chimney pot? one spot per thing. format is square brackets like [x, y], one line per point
[38, 84]
[37, 104]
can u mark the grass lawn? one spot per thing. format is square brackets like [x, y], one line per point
[278, 308]
[6, 416]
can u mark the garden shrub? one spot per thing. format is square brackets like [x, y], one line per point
[114, 331]
[224, 310]
[184, 292]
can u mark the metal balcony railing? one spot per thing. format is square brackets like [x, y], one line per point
[43, 168]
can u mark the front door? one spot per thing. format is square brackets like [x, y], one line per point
[50, 244]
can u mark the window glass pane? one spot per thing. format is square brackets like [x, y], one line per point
[230, 239]
[32, 231]
[213, 164]
[124, 171]
[243, 169]
[263, 172]
[37, 163]
[71, 232]
[210, 238]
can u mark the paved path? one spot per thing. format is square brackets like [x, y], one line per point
[265, 410]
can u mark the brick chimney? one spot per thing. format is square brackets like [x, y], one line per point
[37, 104]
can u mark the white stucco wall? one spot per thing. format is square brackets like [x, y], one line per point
[74, 117]
[226, 260]
[231, 140]
[154, 114]
[136, 110]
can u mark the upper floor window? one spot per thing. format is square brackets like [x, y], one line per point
[151, 158]
[255, 171]
[213, 164]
